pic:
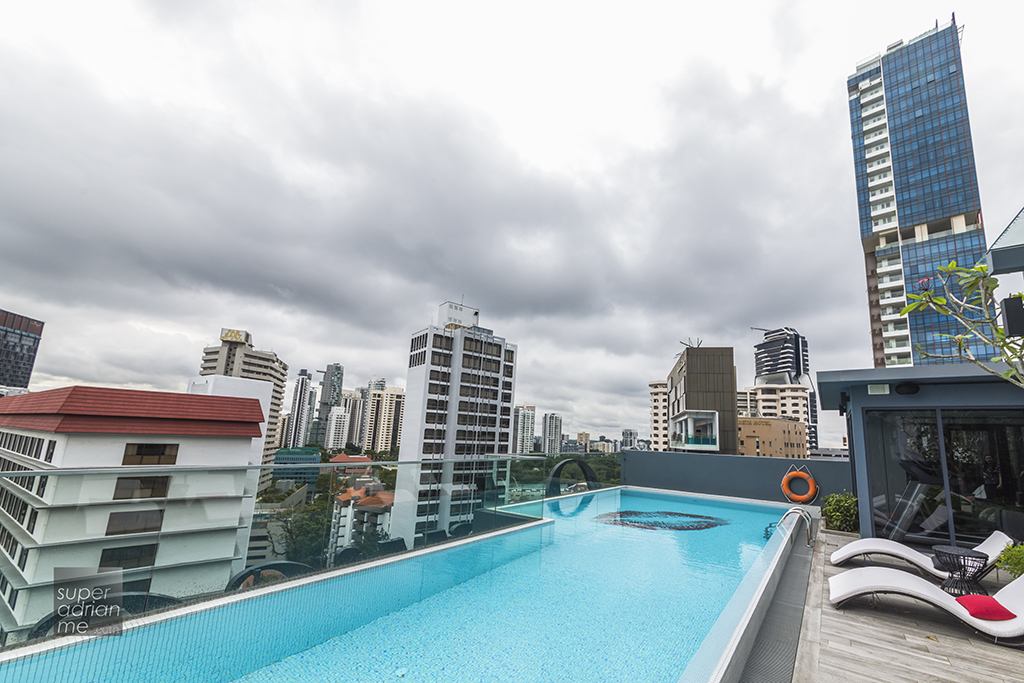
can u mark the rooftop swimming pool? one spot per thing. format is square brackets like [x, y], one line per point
[619, 584]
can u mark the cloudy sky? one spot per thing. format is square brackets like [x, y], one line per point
[600, 179]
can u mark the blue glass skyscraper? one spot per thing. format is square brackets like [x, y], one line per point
[917, 187]
[19, 342]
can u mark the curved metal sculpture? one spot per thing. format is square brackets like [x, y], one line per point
[582, 503]
[131, 603]
[267, 572]
[553, 486]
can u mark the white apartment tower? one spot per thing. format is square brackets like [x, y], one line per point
[551, 433]
[525, 426]
[337, 429]
[459, 398]
[384, 410]
[659, 415]
[302, 408]
[236, 357]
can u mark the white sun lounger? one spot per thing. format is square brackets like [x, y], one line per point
[991, 546]
[868, 580]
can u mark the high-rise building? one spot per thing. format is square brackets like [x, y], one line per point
[384, 410]
[375, 384]
[302, 408]
[583, 439]
[352, 402]
[461, 389]
[330, 397]
[551, 433]
[338, 422]
[917, 188]
[781, 360]
[629, 439]
[524, 426]
[19, 343]
[236, 357]
[659, 415]
[702, 400]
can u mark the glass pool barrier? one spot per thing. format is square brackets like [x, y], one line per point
[604, 563]
[160, 536]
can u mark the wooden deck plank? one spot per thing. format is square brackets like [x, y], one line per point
[894, 638]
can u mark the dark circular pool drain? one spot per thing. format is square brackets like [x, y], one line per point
[669, 521]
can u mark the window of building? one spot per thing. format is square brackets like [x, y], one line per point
[141, 487]
[134, 522]
[150, 454]
[129, 557]
[140, 586]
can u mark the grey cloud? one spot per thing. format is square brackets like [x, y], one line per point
[138, 210]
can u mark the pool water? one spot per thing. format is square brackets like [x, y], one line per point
[627, 591]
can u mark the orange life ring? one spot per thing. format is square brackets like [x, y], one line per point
[812, 486]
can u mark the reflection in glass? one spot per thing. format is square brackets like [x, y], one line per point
[909, 499]
[984, 451]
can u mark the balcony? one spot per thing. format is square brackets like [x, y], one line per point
[871, 109]
[890, 266]
[892, 296]
[875, 122]
[891, 330]
[879, 178]
[695, 430]
[895, 345]
[889, 283]
[883, 208]
[871, 96]
[874, 151]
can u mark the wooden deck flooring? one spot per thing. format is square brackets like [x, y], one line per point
[891, 637]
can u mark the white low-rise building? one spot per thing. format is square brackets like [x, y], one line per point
[132, 482]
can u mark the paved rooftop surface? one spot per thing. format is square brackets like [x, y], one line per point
[892, 637]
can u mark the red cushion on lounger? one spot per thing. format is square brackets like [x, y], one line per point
[985, 607]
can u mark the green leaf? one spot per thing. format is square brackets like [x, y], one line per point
[939, 299]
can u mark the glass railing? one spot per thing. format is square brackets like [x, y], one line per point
[680, 442]
[137, 539]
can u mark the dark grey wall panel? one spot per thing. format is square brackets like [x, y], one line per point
[729, 475]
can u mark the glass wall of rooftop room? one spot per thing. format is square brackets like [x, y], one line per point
[189, 518]
[928, 490]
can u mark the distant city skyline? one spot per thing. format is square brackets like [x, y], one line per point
[582, 196]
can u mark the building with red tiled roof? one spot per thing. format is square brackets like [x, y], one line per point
[166, 495]
[345, 459]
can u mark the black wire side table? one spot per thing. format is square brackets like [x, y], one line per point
[964, 566]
